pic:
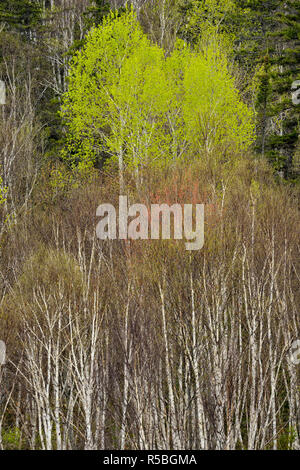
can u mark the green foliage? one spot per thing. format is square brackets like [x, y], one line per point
[97, 11]
[287, 438]
[11, 439]
[266, 49]
[20, 14]
[3, 192]
[126, 100]
[285, 69]
[208, 21]
[214, 114]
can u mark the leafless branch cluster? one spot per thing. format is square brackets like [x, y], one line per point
[143, 345]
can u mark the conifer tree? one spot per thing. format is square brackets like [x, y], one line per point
[20, 15]
[285, 69]
[266, 37]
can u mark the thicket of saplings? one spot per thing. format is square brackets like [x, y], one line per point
[142, 344]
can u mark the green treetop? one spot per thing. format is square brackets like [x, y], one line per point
[126, 99]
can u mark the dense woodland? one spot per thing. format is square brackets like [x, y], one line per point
[141, 344]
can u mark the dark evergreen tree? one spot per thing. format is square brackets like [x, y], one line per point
[20, 15]
[285, 70]
[267, 36]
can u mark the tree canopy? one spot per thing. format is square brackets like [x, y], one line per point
[129, 100]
